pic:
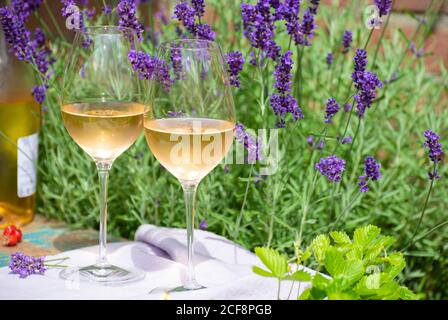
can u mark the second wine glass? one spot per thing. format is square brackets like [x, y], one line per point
[189, 127]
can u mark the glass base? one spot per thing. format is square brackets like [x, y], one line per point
[193, 285]
[104, 274]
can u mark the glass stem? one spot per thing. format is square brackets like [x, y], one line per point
[190, 198]
[103, 175]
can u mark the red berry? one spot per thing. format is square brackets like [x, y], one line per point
[18, 234]
[9, 230]
[11, 240]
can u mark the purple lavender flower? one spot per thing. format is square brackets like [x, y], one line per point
[258, 22]
[360, 60]
[310, 140]
[435, 150]
[39, 93]
[142, 63]
[371, 173]
[320, 145]
[329, 59]
[331, 167]
[107, 9]
[150, 68]
[199, 7]
[363, 184]
[249, 14]
[347, 107]
[235, 63]
[306, 29]
[253, 147]
[314, 5]
[39, 38]
[331, 109]
[384, 6]
[289, 12]
[17, 36]
[418, 53]
[372, 168]
[89, 13]
[347, 39]
[187, 15]
[66, 6]
[176, 63]
[205, 32]
[24, 265]
[203, 225]
[282, 73]
[346, 140]
[365, 82]
[275, 3]
[23, 8]
[127, 10]
[284, 104]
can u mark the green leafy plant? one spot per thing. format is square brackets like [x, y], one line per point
[358, 268]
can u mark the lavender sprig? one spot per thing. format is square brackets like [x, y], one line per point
[347, 39]
[25, 266]
[127, 14]
[365, 82]
[435, 153]
[151, 68]
[253, 146]
[331, 167]
[371, 173]
[329, 59]
[384, 6]
[331, 110]
[21, 44]
[235, 63]
[283, 102]
[187, 14]
[258, 23]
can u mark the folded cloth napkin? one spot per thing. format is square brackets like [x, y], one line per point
[224, 267]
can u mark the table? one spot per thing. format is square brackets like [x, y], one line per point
[45, 236]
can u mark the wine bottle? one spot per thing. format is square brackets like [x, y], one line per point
[19, 125]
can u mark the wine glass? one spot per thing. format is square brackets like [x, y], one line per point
[189, 125]
[102, 110]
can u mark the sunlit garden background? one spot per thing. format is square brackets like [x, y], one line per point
[289, 208]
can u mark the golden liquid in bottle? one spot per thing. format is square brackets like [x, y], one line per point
[18, 118]
[189, 148]
[104, 130]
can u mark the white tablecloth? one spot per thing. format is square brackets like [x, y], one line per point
[222, 266]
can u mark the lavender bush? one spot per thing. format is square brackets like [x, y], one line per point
[356, 119]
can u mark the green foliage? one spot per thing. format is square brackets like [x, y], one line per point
[358, 268]
[277, 265]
